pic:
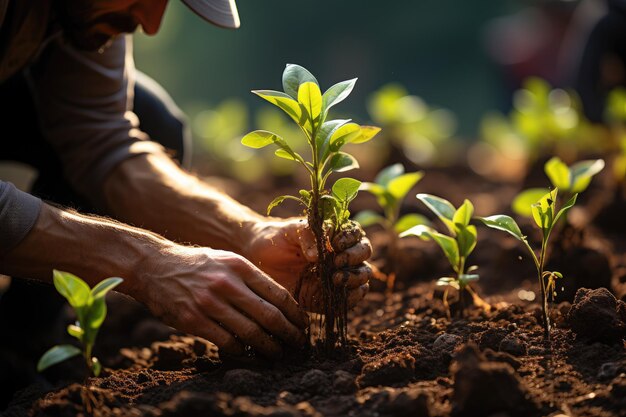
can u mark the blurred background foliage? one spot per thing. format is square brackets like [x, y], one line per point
[434, 49]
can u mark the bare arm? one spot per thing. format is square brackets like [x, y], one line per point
[214, 294]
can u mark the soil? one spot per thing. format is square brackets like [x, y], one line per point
[405, 357]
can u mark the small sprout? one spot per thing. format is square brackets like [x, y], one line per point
[327, 212]
[90, 307]
[545, 214]
[456, 246]
[574, 179]
[390, 187]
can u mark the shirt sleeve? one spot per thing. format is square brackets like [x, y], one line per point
[18, 214]
[84, 103]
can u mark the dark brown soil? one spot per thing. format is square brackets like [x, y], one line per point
[406, 358]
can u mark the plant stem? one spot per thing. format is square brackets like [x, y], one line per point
[539, 265]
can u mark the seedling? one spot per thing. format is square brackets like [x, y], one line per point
[327, 213]
[90, 308]
[544, 212]
[457, 246]
[390, 187]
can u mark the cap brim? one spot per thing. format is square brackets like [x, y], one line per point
[219, 12]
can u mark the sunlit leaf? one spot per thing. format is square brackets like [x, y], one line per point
[324, 134]
[373, 188]
[402, 184]
[441, 208]
[464, 213]
[408, 221]
[346, 189]
[543, 210]
[336, 94]
[283, 101]
[447, 244]
[448, 281]
[341, 162]
[368, 218]
[105, 286]
[466, 239]
[558, 173]
[55, 355]
[367, 134]
[582, 172]
[96, 313]
[568, 205]
[293, 156]
[310, 96]
[293, 76]
[259, 139]
[389, 173]
[75, 331]
[343, 135]
[504, 223]
[523, 201]
[74, 289]
[279, 200]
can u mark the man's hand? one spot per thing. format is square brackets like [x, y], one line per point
[222, 297]
[284, 248]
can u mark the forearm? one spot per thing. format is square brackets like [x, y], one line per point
[152, 192]
[92, 248]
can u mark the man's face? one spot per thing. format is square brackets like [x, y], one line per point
[90, 24]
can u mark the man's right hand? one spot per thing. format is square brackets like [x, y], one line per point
[221, 297]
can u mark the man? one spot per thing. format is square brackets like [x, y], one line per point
[234, 287]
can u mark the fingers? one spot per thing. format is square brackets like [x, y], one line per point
[270, 318]
[308, 244]
[345, 239]
[353, 278]
[275, 294]
[357, 295]
[355, 254]
[247, 330]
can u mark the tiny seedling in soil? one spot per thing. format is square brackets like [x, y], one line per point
[390, 187]
[457, 246]
[90, 308]
[327, 212]
[545, 214]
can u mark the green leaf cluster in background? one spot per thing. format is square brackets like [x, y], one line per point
[390, 187]
[89, 304]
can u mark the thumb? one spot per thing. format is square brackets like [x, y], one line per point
[307, 243]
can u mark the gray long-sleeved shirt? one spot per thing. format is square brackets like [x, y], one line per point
[84, 107]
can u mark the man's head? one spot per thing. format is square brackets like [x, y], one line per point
[90, 24]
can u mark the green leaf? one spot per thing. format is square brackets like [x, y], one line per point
[402, 184]
[373, 188]
[75, 331]
[442, 209]
[466, 239]
[341, 162]
[543, 210]
[279, 200]
[582, 172]
[367, 134]
[96, 366]
[343, 135]
[282, 101]
[336, 94]
[504, 223]
[368, 218]
[96, 314]
[558, 173]
[74, 289]
[408, 221]
[389, 173]
[293, 156]
[568, 205]
[295, 75]
[464, 213]
[523, 201]
[259, 139]
[55, 355]
[465, 279]
[105, 286]
[346, 189]
[310, 96]
[448, 245]
[324, 134]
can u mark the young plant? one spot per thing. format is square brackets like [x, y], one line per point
[457, 245]
[390, 187]
[90, 308]
[545, 214]
[327, 213]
